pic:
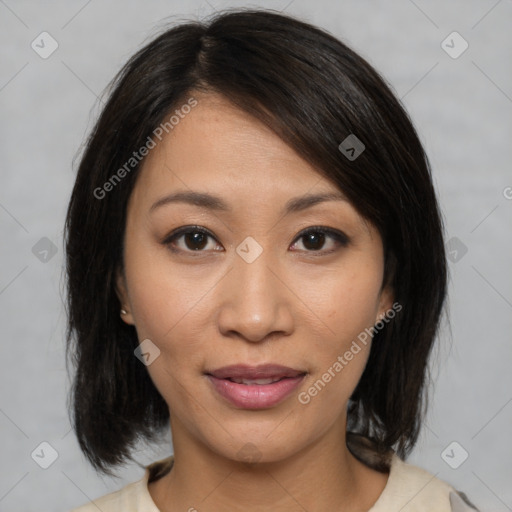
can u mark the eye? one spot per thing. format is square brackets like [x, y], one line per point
[315, 238]
[189, 239]
[196, 239]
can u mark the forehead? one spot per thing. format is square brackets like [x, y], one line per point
[218, 147]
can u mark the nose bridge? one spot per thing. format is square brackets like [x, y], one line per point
[254, 302]
[253, 274]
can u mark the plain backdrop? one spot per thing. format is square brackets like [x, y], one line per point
[461, 105]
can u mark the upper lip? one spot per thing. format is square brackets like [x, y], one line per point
[264, 371]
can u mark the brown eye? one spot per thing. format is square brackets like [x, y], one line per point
[190, 239]
[316, 238]
[314, 241]
[195, 240]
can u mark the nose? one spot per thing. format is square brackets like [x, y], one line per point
[255, 303]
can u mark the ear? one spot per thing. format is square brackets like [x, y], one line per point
[385, 302]
[387, 293]
[122, 294]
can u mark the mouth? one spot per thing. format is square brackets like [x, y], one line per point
[255, 387]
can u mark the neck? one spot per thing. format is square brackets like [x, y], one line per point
[323, 476]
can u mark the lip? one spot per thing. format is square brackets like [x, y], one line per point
[255, 396]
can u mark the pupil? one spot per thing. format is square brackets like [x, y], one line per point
[314, 241]
[195, 239]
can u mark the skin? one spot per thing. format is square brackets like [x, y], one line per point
[293, 305]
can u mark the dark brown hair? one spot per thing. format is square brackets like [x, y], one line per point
[313, 91]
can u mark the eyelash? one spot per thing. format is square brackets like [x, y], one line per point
[341, 239]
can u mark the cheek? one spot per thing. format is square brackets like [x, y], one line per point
[338, 363]
[169, 319]
[349, 303]
[163, 297]
[165, 306]
[164, 314]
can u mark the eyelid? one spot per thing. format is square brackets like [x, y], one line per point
[338, 235]
[187, 229]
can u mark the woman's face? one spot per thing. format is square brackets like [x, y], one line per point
[244, 287]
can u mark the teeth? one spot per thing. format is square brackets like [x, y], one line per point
[260, 382]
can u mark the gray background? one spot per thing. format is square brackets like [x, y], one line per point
[462, 108]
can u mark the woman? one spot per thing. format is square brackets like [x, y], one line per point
[255, 260]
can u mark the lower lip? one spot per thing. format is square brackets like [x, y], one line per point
[255, 396]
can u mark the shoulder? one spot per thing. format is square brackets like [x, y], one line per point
[134, 496]
[126, 500]
[409, 488]
[412, 489]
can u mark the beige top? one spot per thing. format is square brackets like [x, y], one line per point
[409, 488]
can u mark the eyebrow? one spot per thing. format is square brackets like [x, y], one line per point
[211, 202]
